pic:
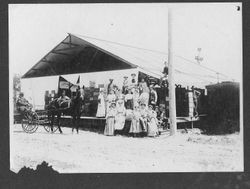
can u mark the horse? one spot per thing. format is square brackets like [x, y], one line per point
[72, 108]
[53, 110]
[76, 110]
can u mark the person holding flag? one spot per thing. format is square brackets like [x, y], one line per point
[63, 100]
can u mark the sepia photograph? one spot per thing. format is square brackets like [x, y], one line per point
[126, 87]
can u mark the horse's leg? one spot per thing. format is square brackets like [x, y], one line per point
[58, 121]
[78, 118]
[73, 120]
[51, 117]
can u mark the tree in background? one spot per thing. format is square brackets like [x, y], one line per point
[16, 88]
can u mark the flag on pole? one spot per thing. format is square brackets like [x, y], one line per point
[63, 84]
[78, 81]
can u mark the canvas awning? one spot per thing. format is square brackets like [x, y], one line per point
[82, 54]
[76, 55]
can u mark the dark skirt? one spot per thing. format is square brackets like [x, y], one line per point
[129, 104]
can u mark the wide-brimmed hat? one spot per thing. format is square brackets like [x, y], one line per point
[113, 102]
[133, 74]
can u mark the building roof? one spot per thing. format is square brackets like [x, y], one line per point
[76, 55]
[81, 54]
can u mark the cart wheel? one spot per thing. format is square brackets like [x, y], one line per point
[48, 127]
[30, 123]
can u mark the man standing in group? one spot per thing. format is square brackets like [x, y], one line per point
[153, 96]
[196, 95]
[110, 85]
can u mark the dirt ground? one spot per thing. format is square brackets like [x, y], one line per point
[92, 152]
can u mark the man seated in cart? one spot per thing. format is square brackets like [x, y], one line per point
[63, 100]
[23, 105]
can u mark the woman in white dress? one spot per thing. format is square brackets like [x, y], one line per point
[120, 115]
[135, 127]
[110, 98]
[110, 120]
[144, 97]
[136, 97]
[152, 123]
[101, 105]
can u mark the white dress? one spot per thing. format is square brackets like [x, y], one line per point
[152, 124]
[144, 98]
[101, 106]
[135, 123]
[120, 117]
[136, 99]
[110, 98]
[110, 122]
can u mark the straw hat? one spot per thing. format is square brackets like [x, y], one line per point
[113, 102]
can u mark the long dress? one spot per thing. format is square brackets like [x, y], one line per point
[125, 86]
[135, 123]
[120, 117]
[143, 86]
[144, 119]
[129, 101]
[152, 124]
[101, 106]
[144, 98]
[110, 98]
[110, 122]
[153, 98]
[136, 99]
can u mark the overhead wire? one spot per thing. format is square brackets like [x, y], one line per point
[141, 59]
[190, 75]
[159, 52]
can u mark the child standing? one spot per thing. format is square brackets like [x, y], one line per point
[120, 115]
[135, 128]
[110, 120]
[152, 124]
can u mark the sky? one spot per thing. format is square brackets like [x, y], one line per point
[34, 29]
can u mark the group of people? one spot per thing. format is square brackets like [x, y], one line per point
[132, 102]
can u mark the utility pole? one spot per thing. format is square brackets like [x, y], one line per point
[172, 101]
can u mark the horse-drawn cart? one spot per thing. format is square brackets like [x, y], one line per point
[31, 120]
